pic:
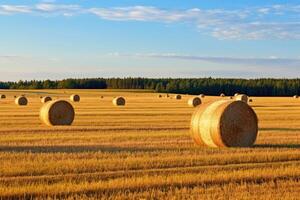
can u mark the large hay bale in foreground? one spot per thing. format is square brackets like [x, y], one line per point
[194, 102]
[177, 96]
[21, 101]
[46, 99]
[57, 113]
[224, 123]
[119, 101]
[2, 96]
[75, 98]
[222, 95]
[242, 97]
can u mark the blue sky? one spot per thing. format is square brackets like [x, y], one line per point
[170, 38]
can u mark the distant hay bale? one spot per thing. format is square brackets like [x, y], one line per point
[159, 96]
[177, 96]
[201, 95]
[119, 101]
[242, 97]
[168, 95]
[224, 123]
[250, 100]
[21, 101]
[102, 97]
[75, 98]
[2, 96]
[46, 99]
[296, 97]
[236, 94]
[57, 113]
[194, 101]
[222, 95]
[230, 97]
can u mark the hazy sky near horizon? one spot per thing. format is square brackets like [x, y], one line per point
[171, 38]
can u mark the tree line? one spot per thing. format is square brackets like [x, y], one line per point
[208, 86]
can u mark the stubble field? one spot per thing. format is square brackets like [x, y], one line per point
[143, 151]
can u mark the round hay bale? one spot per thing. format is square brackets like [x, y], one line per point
[242, 97]
[222, 95]
[296, 97]
[57, 113]
[75, 98]
[177, 96]
[250, 100]
[2, 96]
[236, 94]
[159, 96]
[21, 101]
[119, 101]
[194, 102]
[46, 99]
[168, 95]
[201, 95]
[224, 123]
[230, 97]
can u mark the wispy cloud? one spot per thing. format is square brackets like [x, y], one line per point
[268, 22]
[239, 61]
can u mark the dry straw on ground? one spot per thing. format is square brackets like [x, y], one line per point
[2, 96]
[21, 101]
[46, 99]
[224, 123]
[57, 113]
[75, 98]
[177, 96]
[119, 101]
[242, 97]
[194, 102]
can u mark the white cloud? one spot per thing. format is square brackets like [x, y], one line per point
[268, 22]
[271, 61]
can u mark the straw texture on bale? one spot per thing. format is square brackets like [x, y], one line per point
[2, 96]
[119, 101]
[224, 123]
[21, 101]
[242, 97]
[201, 95]
[222, 95]
[178, 97]
[194, 102]
[57, 113]
[46, 99]
[75, 98]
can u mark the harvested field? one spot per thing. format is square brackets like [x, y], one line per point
[143, 151]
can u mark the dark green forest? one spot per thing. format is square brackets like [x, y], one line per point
[208, 86]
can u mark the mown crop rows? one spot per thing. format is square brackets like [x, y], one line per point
[143, 150]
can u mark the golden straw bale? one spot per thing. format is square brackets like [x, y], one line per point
[2, 96]
[75, 98]
[57, 113]
[119, 101]
[21, 101]
[224, 123]
[46, 99]
[194, 101]
[242, 97]
[177, 96]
